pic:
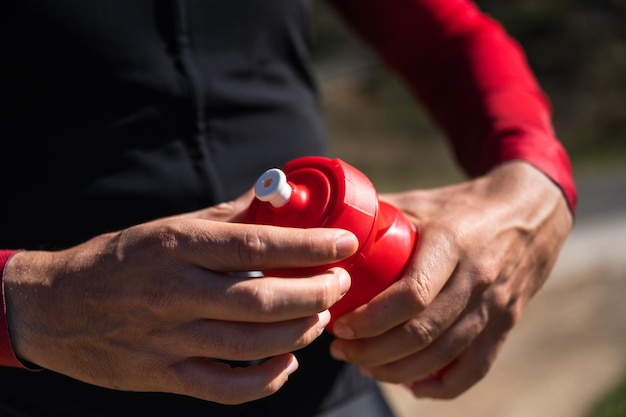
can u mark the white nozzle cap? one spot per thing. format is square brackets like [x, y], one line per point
[273, 187]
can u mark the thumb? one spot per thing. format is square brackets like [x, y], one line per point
[233, 211]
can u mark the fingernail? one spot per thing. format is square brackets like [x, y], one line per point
[344, 281]
[324, 318]
[292, 367]
[346, 245]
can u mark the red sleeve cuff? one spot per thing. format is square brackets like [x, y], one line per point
[552, 160]
[7, 356]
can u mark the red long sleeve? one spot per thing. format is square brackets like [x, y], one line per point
[7, 356]
[472, 78]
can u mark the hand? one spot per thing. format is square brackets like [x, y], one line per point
[145, 308]
[486, 247]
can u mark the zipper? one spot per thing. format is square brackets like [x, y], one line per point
[199, 141]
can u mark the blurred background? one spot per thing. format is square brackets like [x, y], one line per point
[567, 356]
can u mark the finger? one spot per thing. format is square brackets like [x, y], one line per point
[412, 336]
[437, 355]
[482, 331]
[264, 299]
[228, 247]
[229, 211]
[473, 363]
[239, 341]
[434, 263]
[218, 382]
[464, 372]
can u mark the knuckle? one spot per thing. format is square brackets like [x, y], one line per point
[483, 275]
[240, 345]
[504, 306]
[242, 348]
[165, 237]
[420, 290]
[257, 299]
[159, 243]
[509, 316]
[422, 331]
[253, 247]
[502, 309]
[168, 236]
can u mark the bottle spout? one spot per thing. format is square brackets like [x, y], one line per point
[272, 186]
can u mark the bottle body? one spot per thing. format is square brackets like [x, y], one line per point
[331, 193]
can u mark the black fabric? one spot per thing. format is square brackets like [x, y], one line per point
[114, 112]
[320, 385]
[367, 403]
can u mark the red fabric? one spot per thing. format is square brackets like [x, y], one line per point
[7, 356]
[471, 76]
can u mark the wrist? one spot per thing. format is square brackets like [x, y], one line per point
[520, 184]
[7, 354]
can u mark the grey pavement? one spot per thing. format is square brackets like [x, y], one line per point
[598, 240]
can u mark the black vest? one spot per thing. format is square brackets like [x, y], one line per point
[114, 112]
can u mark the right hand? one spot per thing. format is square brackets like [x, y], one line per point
[146, 308]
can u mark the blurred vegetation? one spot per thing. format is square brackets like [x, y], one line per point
[613, 404]
[577, 49]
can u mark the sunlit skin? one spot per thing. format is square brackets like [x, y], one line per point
[487, 246]
[144, 308]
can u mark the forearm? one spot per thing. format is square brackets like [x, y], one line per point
[471, 77]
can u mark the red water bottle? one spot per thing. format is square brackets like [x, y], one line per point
[315, 191]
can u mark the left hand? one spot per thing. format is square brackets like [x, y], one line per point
[486, 246]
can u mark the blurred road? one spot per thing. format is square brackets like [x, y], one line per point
[570, 346]
[598, 240]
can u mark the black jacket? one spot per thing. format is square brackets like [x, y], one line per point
[114, 112]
